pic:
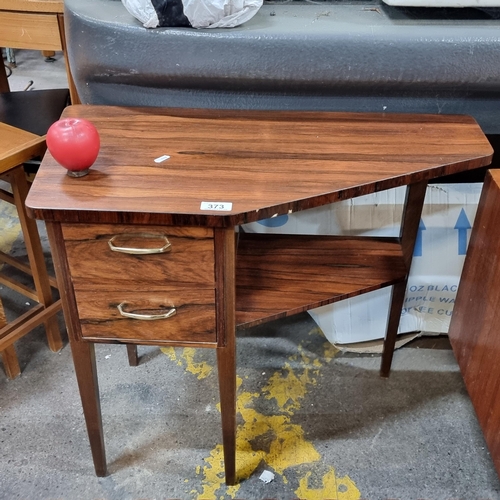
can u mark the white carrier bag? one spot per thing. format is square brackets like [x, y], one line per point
[193, 13]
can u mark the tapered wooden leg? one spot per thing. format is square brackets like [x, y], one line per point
[86, 375]
[133, 358]
[397, 300]
[226, 363]
[10, 362]
[8, 353]
[83, 352]
[4, 82]
[412, 213]
[35, 256]
[225, 252]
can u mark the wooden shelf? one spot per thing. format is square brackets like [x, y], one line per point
[281, 275]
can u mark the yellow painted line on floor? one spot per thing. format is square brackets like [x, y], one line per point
[273, 439]
[186, 359]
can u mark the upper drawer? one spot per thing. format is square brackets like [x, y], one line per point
[93, 264]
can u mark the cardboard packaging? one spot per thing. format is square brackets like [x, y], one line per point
[447, 218]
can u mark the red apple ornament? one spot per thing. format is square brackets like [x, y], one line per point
[74, 143]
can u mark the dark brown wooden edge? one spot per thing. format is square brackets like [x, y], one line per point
[235, 219]
[133, 357]
[4, 82]
[159, 343]
[412, 212]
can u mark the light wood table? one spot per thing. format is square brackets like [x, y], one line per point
[34, 24]
[149, 252]
[16, 147]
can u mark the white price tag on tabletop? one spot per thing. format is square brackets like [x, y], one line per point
[216, 206]
[161, 158]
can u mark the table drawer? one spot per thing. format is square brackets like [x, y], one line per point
[97, 260]
[193, 321]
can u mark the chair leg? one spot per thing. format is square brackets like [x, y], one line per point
[10, 362]
[8, 354]
[35, 255]
[4, 83]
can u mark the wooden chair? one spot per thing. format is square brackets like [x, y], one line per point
[24, 120]
[16, 147]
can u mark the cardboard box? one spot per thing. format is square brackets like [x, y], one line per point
[447, 217]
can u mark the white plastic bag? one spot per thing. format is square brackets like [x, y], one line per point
[192, 13]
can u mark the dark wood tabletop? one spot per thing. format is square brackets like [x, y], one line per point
[263, 163]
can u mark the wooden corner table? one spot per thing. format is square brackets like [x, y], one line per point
[147, 248]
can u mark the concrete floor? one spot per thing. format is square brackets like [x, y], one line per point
[322, 421]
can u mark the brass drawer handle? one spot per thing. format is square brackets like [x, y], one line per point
[140, 251]
[145, 317]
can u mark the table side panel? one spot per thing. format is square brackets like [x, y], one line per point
[474, 325]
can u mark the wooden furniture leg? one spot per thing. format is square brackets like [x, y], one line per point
[86, 375]
[35, 255]
[9, 358]
[133, 358]
[83, 353]
[71, 83]
[4, 82]
[225, 255]
[10, 362]
[412, 212]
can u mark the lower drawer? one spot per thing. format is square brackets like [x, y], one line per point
[146, 317]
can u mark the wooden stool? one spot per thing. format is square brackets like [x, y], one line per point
[16, 147]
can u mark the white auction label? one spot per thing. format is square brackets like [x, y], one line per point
[217, 206]
[161, 158]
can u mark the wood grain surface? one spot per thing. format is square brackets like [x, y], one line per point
[21, 30]
[474, 327]
[281, 275]
[264, 163]
[52, 6]
[225, 264]
[193, 323]
[18, 146]
[93, 265]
